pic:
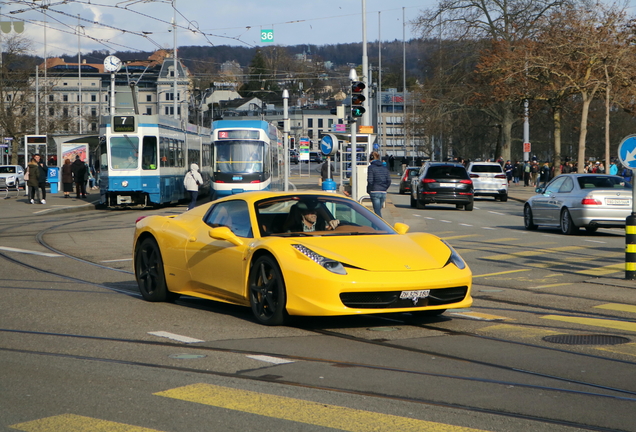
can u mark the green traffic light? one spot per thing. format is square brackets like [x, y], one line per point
[357, 111]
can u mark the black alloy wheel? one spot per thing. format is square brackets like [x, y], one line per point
[149, 272]
[527, 219]
[267, 292]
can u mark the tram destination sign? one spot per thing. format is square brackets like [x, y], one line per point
[123, 124]
[238, 134]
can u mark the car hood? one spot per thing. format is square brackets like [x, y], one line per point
[409, 252]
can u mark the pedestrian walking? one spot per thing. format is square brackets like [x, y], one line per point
[44, 170]
[67, 178]
[378, 181]
[78, 168]
[192, 181]
[33, 180]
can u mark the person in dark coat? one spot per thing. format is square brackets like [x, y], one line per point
[378, 181]
[78, 168]
[324, 170]
[44, 170]
[33, 170]
[67, 178]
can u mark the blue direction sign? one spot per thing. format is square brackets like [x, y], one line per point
[329, 145]
[627, 151]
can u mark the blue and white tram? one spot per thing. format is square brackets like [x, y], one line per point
[247, 155]
[143, 159]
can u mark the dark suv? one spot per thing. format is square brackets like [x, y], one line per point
[444, 183]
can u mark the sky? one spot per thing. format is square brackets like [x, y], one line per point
[145, 25]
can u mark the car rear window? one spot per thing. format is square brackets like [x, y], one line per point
[486, 169]
[602, 182]
[450, 172]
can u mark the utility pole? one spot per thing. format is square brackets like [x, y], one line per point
[286, 137]
[174, 56]
[79, 73]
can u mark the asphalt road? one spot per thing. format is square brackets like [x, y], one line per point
[80, 350]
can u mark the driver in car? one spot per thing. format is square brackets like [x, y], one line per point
[311, 217]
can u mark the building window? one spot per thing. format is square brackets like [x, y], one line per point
[169, 96]
[78, 98]
[9, 97]
[51, 112]
[320, 123]
[310, 122]
[65, 112]
[65, 84]
[148, 110]
[94, 112]
[65, 98]
[148, 98]
[93, 127]
[93, 98]
[310, 133]
[51, 98]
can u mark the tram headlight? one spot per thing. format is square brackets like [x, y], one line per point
[124, 183]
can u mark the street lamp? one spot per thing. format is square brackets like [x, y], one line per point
[286, 137]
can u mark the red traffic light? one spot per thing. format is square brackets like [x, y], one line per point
[357, 87]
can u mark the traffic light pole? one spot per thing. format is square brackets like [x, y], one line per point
[354, 161]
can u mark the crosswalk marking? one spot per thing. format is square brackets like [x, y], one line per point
[76, 423]
[618, 307]
[303, 411]
[596, 322]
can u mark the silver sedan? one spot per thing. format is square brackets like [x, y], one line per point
[572, 201]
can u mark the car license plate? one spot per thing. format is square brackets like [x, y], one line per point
[412, 295]
[447, 185]
[617, 201]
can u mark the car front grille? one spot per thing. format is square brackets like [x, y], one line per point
[391, 299]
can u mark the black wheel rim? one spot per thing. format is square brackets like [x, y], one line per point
[265, 290]
[565, 222]
[149, 263]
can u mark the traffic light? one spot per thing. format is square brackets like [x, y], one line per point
[6, 149]
[357, 99]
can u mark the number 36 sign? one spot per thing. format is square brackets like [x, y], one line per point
[267, 35]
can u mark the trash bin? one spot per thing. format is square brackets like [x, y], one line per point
[329, 185]
[53, 178]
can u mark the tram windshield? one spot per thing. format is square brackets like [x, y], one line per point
[124, 152]
[238, 156]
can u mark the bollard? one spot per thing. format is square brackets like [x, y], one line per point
[329, 185]
[630, 247]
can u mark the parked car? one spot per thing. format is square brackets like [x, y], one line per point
[12, 176]
[251, 249]
[407, 178]
[442, 183]
[316, 156]
[293, 157]
[489, 179]
[572, 201]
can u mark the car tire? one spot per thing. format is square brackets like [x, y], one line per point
[591, 229]
[503, 197]
[567, 226]
[149, 272]
[469, 207]
[413, 202]
[419, 204]
[528, 222]
[267, 292]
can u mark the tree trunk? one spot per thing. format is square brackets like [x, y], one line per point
[583, 133]
[556, 118]
[508, 120]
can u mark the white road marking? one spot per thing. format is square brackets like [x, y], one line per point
[429, 218]
[269, 359]
[10, 249]
[179, 338]
[416, 215]
[490, 228]
[117, 260]
[497, 213]
[595, 241]
[468, 225]
[445, 221]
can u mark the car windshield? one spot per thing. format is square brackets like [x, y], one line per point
[486, 169]
[447, 171]
[284, 216]
[7, 170]
[603, 182]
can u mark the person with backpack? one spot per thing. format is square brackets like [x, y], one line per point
[192, 181]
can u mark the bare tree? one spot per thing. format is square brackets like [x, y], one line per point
[485, 21]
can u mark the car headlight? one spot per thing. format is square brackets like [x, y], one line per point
[454, 258]
[331, 265]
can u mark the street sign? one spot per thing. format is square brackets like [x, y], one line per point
[627, 151]
[526, 147]
[267, 36]
[329, 145]
[365, 129]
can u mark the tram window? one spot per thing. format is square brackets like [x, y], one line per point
[163, 151]
[172, 154]
[103, 154]
[149, 153]
[180, 154]
[124, 152]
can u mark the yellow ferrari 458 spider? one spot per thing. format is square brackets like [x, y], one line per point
[290, 253]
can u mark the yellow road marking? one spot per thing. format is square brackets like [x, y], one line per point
[618, 307]
[480, 316]
[461, 236]
[605, 270]
[596, 322]
[302, 411]
[554, 285]
[76, 423]
[543, 265]
[626, 349]
[522, 254]
[501, 273]
[500, 240]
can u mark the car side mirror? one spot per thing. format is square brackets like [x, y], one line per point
[401, 228]
[224, 233]
[539, 190]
